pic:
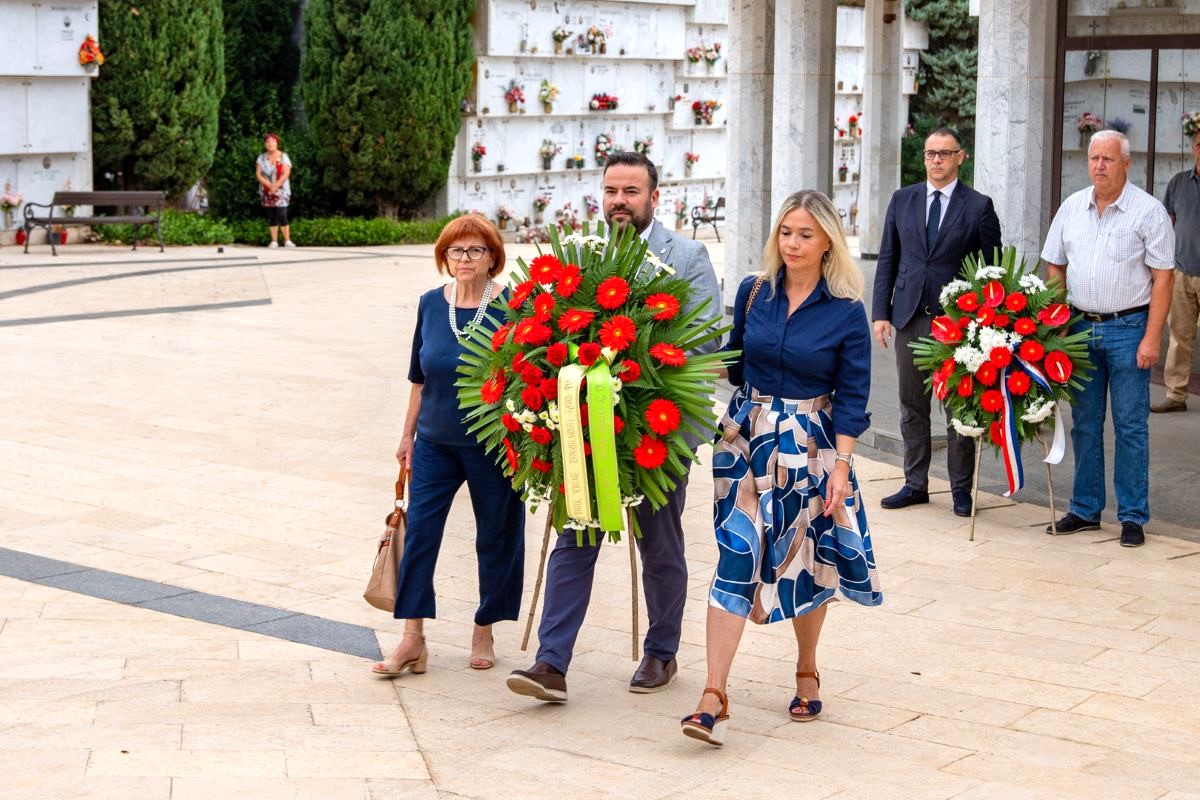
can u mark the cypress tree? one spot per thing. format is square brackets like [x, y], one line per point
[154, 106]
[382, 83]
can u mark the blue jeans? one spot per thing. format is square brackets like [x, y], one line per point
[1116, 378]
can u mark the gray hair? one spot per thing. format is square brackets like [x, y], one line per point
[1107, 135]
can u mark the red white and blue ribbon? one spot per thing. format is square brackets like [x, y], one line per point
[1010, 439]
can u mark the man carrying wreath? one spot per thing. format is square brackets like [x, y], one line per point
[630, 198]
[1113, 247]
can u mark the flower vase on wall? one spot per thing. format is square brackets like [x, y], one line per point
[603, 48]
[687, 170]
[546, 162]
[478, 164]
[548, 108]
[558, 48]
[842, 172]
[512, 107]
[8, 218]
[503, 224]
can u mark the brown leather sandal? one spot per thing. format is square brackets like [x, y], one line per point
[706, 727]
[802, 709]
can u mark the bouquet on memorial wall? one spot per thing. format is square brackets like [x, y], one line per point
[604, 145]
[712, 54]
[515, 93]
[89, 52]
[690, 157]
[10, 200]
[549, 148]
[541, 202]
[643, 145]
[548, 92]
[1088, 122]
[694, 54]
[1191, 123]
[561, 34]
[1001, 357]
[587, 389]
[603, 102]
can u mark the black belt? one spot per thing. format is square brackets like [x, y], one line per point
[1091, 316]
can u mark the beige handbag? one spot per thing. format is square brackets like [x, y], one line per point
[381, 588]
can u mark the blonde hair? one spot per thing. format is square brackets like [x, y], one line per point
[840, 271]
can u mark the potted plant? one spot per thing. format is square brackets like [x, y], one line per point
[596, 40]
[548, 93]
[504, 214]
[548, 151]
[515, 95]
[478, 151]
[578, 161]
[591, 206]
[689, 158]
[9, 202]
[540, 204]
[560, 35]
[1087, 124]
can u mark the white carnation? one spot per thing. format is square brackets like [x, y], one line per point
[952, 290]
[970, 357]
[1038, 411]
[1032, 283]
[990, 273]
[966, 430]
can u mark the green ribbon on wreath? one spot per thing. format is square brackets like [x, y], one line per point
[600, 402]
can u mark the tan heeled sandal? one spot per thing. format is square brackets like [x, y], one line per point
[484, 662]
[802, 709]
[413, 665]
[706, 727]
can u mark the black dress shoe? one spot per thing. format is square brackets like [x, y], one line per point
[1132, 535]
[962, 502]
[904, 498]
[653, 675]
[541, 682]
[1073, 524]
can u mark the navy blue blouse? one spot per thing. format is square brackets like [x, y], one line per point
[434, 364]
[824, 347]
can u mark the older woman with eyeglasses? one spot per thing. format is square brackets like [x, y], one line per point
[442, 455]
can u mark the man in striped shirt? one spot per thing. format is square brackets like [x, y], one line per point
[1113, 247]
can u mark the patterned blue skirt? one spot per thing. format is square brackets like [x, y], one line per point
[779, 555]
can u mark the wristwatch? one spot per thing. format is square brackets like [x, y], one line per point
[847, 457]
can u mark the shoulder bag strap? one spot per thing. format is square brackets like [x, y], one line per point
[758, 282]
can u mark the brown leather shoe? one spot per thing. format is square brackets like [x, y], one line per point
[541, 682]
[1168, 405]
[653, 675]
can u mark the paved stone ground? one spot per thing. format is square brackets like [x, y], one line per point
[243, 448]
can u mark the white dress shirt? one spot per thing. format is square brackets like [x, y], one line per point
[946, 191]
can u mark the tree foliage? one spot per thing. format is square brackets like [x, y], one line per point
[155, 103]
[382, 82]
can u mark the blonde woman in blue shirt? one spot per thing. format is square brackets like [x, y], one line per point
[790, 526]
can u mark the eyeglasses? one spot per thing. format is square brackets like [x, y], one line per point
[471, 253]
[944, 155]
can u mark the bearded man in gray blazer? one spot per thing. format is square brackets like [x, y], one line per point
[630, 198]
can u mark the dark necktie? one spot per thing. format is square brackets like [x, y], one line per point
[935, 219]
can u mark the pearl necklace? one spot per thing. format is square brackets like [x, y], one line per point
[479, 312]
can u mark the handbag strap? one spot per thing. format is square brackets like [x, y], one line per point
[401, 483]
[758, 282]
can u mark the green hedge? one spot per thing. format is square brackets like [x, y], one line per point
[181, 228]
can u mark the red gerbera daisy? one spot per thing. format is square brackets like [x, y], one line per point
[543, 304]
[612, 292]
[575, 320]
[588, 353]
[662, 416]
[510, 422]
[500, 337]
[1018, 382]
[510, 453]
[540, 465]
[630, 371]
[556, 353]
[532, 398]
[665, 306]
[568, 280]
[545, 269]
[520, 293]
[532, 332]
[492, 389]
[650, 452]
[991, 401]
[618, 333]
[1025, 326]
[540, 435]
[668, 354]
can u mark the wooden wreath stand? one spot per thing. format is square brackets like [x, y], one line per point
[975, 486]
[633, 580]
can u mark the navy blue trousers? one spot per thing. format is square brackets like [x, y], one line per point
[438, 471]
[571, 568]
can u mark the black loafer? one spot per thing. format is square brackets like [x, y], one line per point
[962, 502]
[1132, 535]
[1073, 524]
[653, 675]
[904, 498]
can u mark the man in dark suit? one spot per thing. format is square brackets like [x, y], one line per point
[930, 228]
[630, 197]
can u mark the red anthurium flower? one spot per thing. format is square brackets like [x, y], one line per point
[1001, 321]
[588, 353]
[545, 269]
[492, 389]
[568, 280]
[1016, 302]
[968, 302]
[965, 386]
[556, 353]
[1031, 351]
[630, 371]
[987, 374]
[618, 424]
[991, 401]
[510, 422]
[1025, 326]
[540, 435]
[575, 320]
[650, 452]
[1018, 382]
[945, 331]
[532, 398]
[986, 315]
[1058, 366]
[500, 337]
[668, 355]
[662, 416]
[1000, 357]
[941, 389]
[549, 388]
[520, 293]
[993, 294]
[510, 453]
[947, 368]
[1054, 315]
[996, 434]
[532, 332]
[618, 333]
[541, 466]
[665, 306]
[543, 304]
[612, 292]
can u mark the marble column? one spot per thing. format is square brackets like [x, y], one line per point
[748, 181]
[882, 123]
[802, 131]
[1014, 117]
